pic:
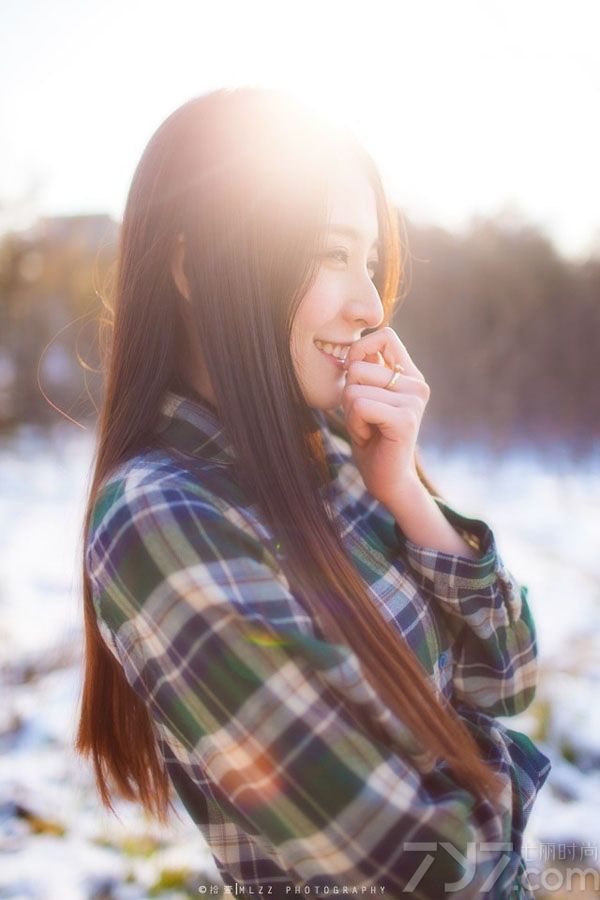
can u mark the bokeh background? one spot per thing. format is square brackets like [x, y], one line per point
[483, 119]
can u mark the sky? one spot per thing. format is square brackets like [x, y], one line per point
[470, 107]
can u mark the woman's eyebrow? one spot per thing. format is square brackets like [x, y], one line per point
[349, 231]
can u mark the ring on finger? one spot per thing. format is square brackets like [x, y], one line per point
[397, 370]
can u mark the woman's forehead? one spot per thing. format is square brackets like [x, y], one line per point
[353, 206]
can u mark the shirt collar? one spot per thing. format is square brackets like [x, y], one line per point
[192, 425]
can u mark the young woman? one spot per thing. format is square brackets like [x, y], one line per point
[285, 625]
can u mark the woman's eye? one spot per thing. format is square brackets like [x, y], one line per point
[340, 252]
[336, 253]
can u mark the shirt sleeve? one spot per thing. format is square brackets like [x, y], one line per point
[495, 641]
[211, 637]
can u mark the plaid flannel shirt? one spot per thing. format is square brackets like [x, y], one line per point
[253, 707]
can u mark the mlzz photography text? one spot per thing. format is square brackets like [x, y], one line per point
[560, 866]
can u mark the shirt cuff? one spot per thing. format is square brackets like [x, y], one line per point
[458, 580]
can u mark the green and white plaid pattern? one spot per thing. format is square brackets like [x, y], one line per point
[254, 709]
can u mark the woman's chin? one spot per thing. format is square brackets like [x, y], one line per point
[326, 401]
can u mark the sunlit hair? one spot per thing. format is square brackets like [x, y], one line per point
[244, 175]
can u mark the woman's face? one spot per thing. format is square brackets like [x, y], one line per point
[343, 301]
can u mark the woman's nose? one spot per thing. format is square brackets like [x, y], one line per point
[368, 308]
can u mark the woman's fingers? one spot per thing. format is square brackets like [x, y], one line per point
[390, 398]
[368, 403]
[366, 415]
[386, 342]
[360, 398]
[365, 374]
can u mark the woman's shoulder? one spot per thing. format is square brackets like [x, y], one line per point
[154, 518]
[156, 496]
[149, 477]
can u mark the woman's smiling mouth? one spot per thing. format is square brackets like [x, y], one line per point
[336, 352]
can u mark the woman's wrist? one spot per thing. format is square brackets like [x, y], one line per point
[421, 520]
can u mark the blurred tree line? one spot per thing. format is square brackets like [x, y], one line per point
[51, 280]
[507, 333]
[505, 329]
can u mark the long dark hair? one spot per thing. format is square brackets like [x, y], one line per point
[243, 174]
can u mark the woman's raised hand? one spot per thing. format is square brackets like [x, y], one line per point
[383, 423]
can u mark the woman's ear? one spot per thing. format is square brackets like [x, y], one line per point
[177, 268]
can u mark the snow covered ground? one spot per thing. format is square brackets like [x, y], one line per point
[55, 842]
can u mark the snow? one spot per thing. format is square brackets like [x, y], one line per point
[546, 521]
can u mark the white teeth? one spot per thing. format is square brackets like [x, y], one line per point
[338, 350]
